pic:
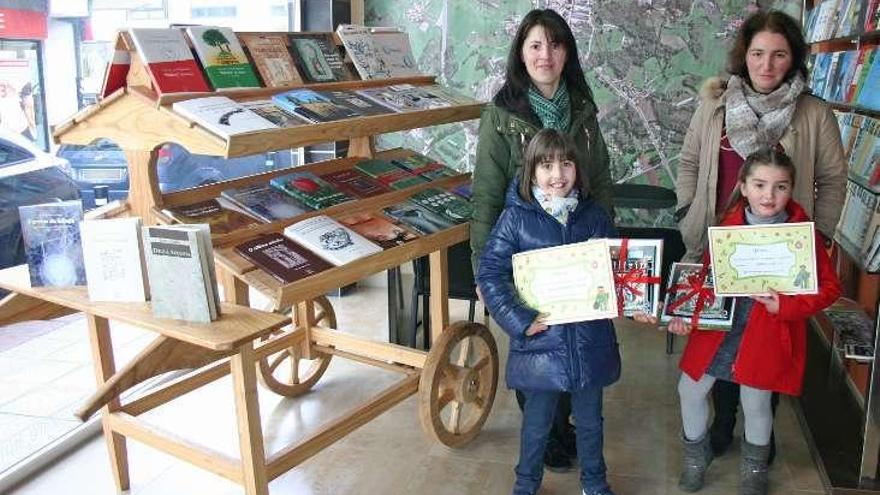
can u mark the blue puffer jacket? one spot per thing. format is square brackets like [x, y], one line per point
[564, 357]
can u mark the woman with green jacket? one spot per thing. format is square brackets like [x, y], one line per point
[544, 87]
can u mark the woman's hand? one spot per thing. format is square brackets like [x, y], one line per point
[642, 317]
[678, 326]
[537, 326]
[771, 301]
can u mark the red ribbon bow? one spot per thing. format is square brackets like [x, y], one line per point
[625, 280]
[695, 285]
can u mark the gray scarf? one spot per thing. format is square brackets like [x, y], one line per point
[755, 120]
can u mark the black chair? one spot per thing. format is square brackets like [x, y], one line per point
[652, 197]
[461, 286]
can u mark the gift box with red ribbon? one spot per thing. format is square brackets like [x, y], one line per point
[691, 295]
[636, 265]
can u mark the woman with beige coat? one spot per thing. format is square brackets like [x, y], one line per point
[764, 103]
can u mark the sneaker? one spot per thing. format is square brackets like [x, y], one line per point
[603, 491]
[557, 460]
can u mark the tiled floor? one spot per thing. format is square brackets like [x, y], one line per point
[391, 454]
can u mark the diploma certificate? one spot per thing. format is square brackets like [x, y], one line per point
[569, 283]
[751, 259]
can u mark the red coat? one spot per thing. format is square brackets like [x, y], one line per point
[772, 352]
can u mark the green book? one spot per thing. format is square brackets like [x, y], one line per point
[222, 57]
[310, 190]
[389, 174]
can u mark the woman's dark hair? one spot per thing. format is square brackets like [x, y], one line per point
[517, 77]
[773, 21]
[547, 145]
[764, 156]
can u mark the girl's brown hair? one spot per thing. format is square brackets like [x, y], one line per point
[547, 145]
[764, 156]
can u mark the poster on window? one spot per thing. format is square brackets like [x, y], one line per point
[17, 98]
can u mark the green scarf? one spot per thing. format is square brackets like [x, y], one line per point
[554, 113]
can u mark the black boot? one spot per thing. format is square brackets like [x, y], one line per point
[696, 459]
[753, 469]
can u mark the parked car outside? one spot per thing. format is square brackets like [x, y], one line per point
[101, 163]
[104, 163]
[28, 176]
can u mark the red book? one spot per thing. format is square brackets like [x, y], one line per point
[282, 258]
[169, 61]
[117, 72]
[355, 183]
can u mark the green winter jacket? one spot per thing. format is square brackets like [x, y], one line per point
[504, 134]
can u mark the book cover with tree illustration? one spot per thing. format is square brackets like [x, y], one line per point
[222, 57]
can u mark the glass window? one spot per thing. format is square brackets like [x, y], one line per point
[21, 100]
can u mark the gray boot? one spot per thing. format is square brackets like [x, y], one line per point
[697, 457]
[753, 469]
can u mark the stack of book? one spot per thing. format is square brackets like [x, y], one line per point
[180, 265]
[834, 19]
[847, 77]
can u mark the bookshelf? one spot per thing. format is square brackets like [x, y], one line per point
[840, 404]
[455, 381]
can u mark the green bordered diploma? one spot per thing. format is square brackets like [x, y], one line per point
[570, 283]
[752, 259]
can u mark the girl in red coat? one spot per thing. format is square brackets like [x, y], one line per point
[765, 350]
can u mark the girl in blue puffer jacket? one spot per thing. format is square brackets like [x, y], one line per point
[548, 205]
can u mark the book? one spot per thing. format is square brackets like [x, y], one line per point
[221, 115]
[309, 189]
[274, 114]
[424, 166]
[318, 58]
[176, 263]
[869, 93]
[355, 183]
[404, 98]
[359, 46]
[378, 229]
[282, 258]
[272, 59]
[395, 52]
[113, 257]
[643, 259]
[418, 218]
[331, 240]
[52, 243]
[389, 174]
[444, 203]
[116, 72]
[170, 64]
[264, 202]
[680, 301]
[357, 103]
[222, 220]
[222, 57]
[858, 211]
[449, 95]
[866, 58]
[313, 106]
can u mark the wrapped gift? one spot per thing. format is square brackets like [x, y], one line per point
[636, 264]
[691, 294]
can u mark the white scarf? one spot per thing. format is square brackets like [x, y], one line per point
[557, 207]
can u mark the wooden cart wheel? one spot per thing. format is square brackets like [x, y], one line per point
[286, 372]
[457, 385]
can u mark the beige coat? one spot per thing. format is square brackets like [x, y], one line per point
[812, 140]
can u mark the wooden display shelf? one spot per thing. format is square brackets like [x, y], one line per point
[851, 42]
[374, 203]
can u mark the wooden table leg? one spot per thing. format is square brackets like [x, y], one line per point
[250, 431]
[439, 302]
[102, 357]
